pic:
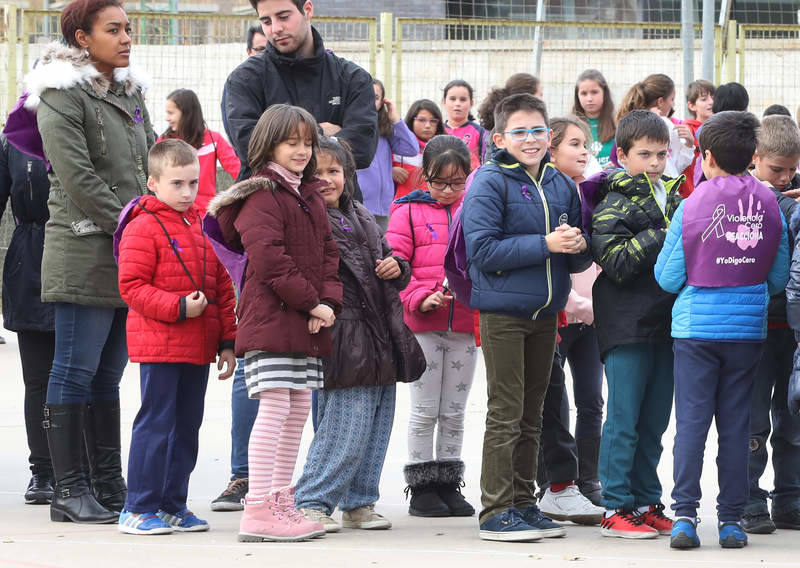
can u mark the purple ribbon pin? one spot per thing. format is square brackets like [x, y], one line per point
[137, 115]
[174, 243]
[345, 226]
[429, 227]
[525, 193]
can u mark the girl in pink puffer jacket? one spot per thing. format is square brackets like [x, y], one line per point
[418, 232]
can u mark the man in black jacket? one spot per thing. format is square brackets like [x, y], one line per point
[296, 69]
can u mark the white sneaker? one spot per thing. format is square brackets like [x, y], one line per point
[319, 516]
[365, 518]
[570, 505]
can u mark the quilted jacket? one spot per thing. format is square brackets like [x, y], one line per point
[418, 232]
[153, 282]
[628, 231]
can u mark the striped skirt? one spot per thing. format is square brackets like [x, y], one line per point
[263, 371]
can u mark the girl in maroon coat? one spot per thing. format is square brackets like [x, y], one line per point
[290, 294]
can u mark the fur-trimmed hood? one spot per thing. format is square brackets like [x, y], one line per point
[63, 67]
[238, 192]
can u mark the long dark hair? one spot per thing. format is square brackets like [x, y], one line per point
[431, 107]
[279, 123]
[606, 127]
[385, 126]
[644, 94]
[192, 127]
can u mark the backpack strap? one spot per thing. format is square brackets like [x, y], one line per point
[413, 238]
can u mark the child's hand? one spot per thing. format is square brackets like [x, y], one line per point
[329, 129]
[325, 313]
[434, 301]
[686, 135]
[195, 304]
[228, 360]
[566, 240]
[387, 268]
[793, 193]
[399, 175]
[314, 325]
[394, 116]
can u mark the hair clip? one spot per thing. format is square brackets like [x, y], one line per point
[525, 193]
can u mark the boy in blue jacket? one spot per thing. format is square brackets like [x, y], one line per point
[521, 222]
[726, 252]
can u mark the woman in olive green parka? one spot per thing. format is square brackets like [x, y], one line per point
[96, 133]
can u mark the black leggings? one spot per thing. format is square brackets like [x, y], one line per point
[36, 349]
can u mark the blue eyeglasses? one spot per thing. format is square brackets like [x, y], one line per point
[521, 134]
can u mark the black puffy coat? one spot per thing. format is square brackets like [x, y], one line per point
[23, 179]
[372, 346]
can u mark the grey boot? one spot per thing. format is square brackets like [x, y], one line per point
[588, 480]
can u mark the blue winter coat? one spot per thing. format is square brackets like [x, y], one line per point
[732, 313]
[505, 217]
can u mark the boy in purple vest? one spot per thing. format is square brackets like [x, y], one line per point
[725, 253]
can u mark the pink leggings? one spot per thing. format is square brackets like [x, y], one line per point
[275, 438]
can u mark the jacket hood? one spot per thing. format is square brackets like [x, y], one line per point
[238, 192]
[418, 195]
[64, 67]
[294, 59]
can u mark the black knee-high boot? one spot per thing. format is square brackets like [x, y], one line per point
[102, 434]
[72, 498]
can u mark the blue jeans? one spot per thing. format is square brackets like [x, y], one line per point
[769, 398]
[713, 379]
[345, 460]
[640, 387]
[90, 354]
[243, 415]
[165, 436]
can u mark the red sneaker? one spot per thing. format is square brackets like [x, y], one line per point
[626, 524]
[656, 518]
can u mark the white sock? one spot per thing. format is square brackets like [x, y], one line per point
[610, 513]
[643, 509]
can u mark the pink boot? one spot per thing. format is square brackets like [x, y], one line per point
[266, 519]
[286, 500]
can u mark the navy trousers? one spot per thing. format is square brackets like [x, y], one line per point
[165, 436]
[713, 379]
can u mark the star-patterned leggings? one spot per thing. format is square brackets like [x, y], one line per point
[440, 396]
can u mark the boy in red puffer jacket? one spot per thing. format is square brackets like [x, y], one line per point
[181, 315]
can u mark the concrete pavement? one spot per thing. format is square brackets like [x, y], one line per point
[29, 539]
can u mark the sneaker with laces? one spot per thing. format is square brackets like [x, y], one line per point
[365, 518]
[142, 524]
[570, 505]
[509, 526]
[787, 520]
[184, 521]
[758, 523]
[684, 534]
[542, 523]
[655, 517]
[286, 500]
[319, 516]
[626, 524]
[232, 499]
[731, 535]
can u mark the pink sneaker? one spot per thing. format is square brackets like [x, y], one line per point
[266, 519]
[286, 500]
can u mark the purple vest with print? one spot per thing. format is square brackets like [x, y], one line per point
[731, 232]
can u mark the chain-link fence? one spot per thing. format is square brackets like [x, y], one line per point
[770, 59]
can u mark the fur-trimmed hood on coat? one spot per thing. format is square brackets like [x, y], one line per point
[63, 67]
[238, 192]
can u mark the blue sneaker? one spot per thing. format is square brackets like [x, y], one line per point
[542, 523]
[509, 527]
[684, 534]
[732, 535]
[184, 521]
[142, 523]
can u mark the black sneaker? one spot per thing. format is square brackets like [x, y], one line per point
[232, 499]
[758, 523]
[40, 490]
[787, 520]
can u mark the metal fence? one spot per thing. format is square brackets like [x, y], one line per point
[416, 57]
[195, 51]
